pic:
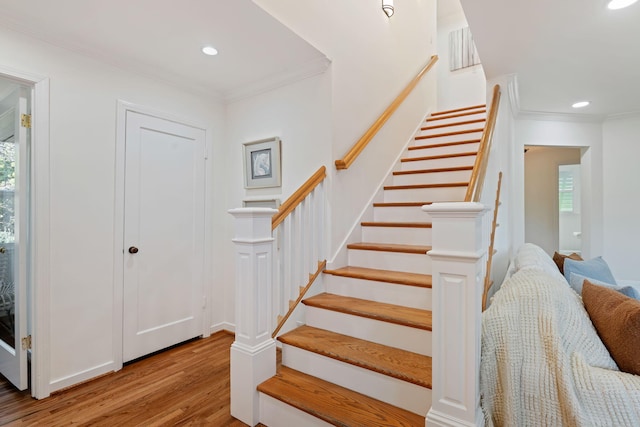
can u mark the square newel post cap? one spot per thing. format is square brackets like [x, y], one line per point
[457, 228]
[253, 224]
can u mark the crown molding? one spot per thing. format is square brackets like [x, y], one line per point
[275, 81]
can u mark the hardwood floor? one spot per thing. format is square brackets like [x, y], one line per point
[186, 385]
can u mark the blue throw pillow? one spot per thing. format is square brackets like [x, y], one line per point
[576, 281]
[595, 268]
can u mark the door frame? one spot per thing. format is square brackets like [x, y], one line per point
[118, 227]
[39, 222]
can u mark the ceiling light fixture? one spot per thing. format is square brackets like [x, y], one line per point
[209, 50]
[387, 7]
[581, 104]
[620, 4]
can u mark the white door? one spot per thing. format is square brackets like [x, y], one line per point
[163, 234]
[14, 197]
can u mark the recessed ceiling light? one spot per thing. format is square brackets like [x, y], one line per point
[209, 50]
[620, 4]
[581, 104]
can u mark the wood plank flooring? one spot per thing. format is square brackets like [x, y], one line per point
[185, 385]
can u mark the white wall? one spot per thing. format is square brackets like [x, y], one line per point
[373, 58]
[300, 115]
[541, 216]
[459, 88]
[563, 131]
[83, 99]
[621, 139]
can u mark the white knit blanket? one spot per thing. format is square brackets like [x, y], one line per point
[543, 363]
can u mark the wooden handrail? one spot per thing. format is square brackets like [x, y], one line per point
[303, 291]
[292, 202]
[480, 166]
[353, 153]
[487, 278]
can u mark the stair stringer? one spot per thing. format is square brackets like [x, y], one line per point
[340, 257]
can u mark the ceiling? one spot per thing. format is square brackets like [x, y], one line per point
[562, 52]
[163, 39]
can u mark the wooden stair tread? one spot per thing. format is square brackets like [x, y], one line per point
[388, 276]
[396, 224]
[399, 315]
[460, 123]
[401, 204]
[454, 115]
[393, 362]
[417, 186]
[473, 107]
[334, 404]
[458, 132]
[441, 156]
[436, 170]
[442, 144]
[390, 247]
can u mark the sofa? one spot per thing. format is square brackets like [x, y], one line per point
[543, 361]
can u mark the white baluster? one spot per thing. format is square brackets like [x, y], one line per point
[253, 353]
[458, 263]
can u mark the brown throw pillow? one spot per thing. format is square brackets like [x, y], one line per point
[559, 259]
[617, 320]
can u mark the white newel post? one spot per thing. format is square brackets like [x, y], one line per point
[253, 353]
[458, 259]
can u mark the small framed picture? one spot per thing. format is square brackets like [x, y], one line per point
[262, 163]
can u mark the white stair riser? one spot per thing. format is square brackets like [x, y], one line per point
[400, 213]
[442, 194]
[400, 235]
[447, 138]
[396, 261]
[438, 163]
[431, 122]
[402, 394]
[371, 290]
[274, 413]
[453, 128]
[385, 333]
[432, 178]
[437, 151]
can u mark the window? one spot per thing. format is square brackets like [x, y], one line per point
[565, 190]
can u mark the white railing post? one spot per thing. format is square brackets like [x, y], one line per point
[458, 260]
[253, 353]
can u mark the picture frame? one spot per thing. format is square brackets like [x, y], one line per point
[262, 163]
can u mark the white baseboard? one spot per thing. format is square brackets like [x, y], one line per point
[223, 326]
[80, 377]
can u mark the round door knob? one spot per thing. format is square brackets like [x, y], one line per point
[133, 250]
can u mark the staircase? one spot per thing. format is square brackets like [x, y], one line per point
[363, 357]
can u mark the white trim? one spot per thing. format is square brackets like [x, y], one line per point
[222, 326]
[559, 117]
[118, 222]
[83, 376]
[40, 222]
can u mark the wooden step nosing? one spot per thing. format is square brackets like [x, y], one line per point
[401, 204]
[436, 170]
[442, 144]
[460, 123]
[439, 157]
[425, 186]
[389, 247]
[459, 132]
[369, 314]
[455, 110]
[455, 115]
[273, 388]
[396, 224]
[289, 339]
[379, 276]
